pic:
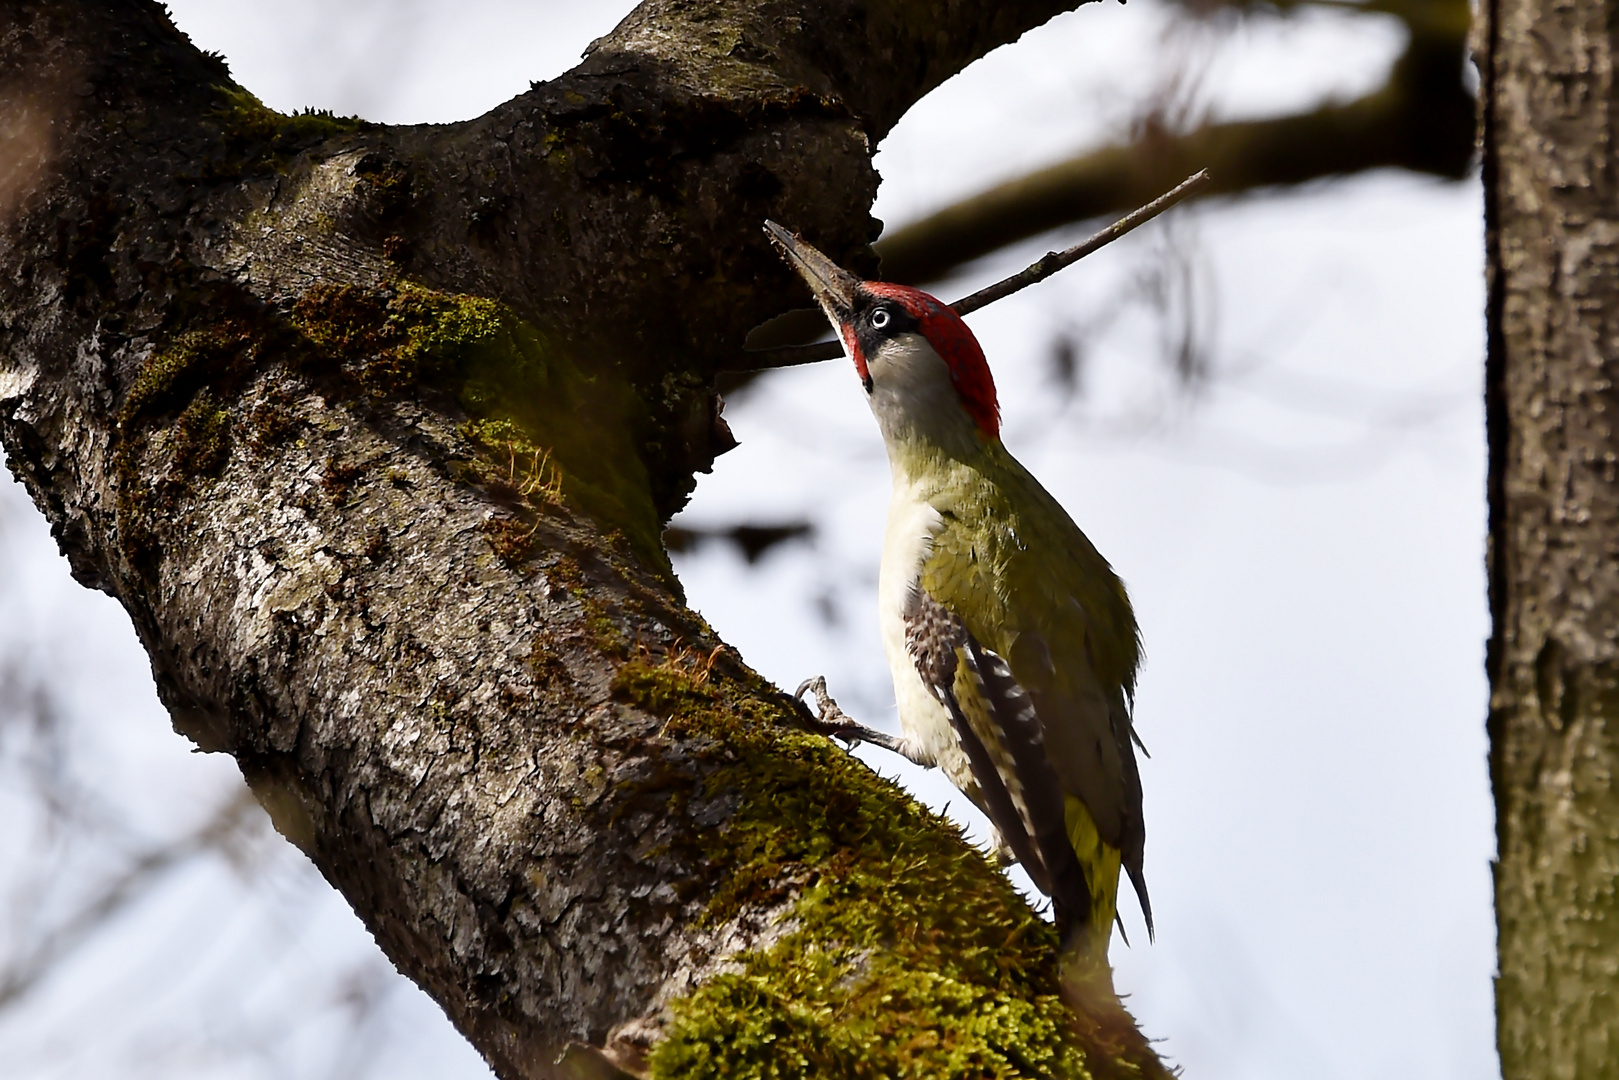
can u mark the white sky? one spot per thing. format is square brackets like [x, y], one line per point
[1303, 538]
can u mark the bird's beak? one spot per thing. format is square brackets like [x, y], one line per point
[833, 286]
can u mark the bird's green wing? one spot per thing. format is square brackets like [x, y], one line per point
[1033, 596]
[994, 719]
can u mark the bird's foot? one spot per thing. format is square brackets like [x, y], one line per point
[834, 723]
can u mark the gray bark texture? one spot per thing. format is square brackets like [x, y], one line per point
[1550, 106]
[373, 430]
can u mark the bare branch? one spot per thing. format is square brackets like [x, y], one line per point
[1054, 261]
[1036, 272]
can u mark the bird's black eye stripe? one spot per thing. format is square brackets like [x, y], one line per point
[878, 321]
[883, 320]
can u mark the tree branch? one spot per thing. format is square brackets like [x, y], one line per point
[1422, 119]
[1035, 272]
[373, 432]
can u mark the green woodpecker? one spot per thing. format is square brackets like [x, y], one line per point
[1011, 641]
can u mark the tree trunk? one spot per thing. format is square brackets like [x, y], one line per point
[1552, 199]
[373, 432]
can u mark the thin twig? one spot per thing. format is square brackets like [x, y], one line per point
[1056, 260]
[1052, 262]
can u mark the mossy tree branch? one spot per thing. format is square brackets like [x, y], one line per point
[373, 431]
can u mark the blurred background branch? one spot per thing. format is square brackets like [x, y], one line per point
[48, 946]
[751, 540]
[1421, 119]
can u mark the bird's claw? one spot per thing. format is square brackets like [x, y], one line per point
[837, 724]
[832, 721]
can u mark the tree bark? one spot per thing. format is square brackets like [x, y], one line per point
[373, 432]
[1552, 204]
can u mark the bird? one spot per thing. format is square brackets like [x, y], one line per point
[1011, 641]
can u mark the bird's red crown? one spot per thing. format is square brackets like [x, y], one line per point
[950, 338]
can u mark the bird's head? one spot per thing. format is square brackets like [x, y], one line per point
[922, 368]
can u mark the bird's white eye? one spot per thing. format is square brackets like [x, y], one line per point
[880, 318]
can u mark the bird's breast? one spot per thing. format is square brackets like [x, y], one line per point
[908, 540]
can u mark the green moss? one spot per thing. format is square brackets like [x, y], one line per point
[536, 417]
[249, 114]
[272, 421]
[778, 1020]
[897, 927]
[190, 379]
[346, 321]
[566, 574]
[604, 633]
[670, 690]
[215, 353]
[514, 468]
[548, 668]
[158, 376]
[201, 443]
[544, 431]
[256, 134]
[600, 628]
[339, 477]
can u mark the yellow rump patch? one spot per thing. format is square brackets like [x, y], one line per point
[1100, 861]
